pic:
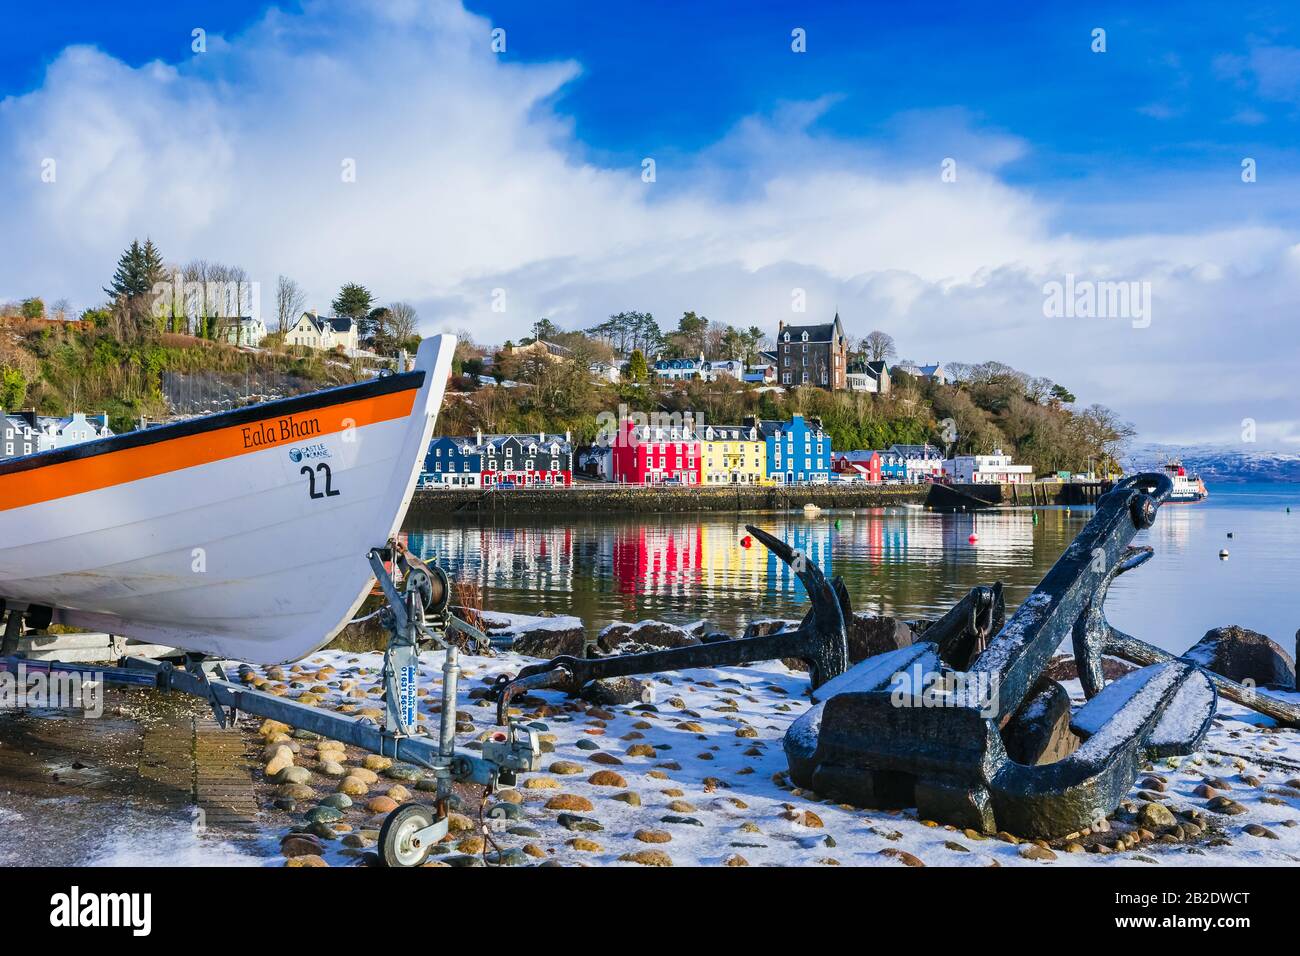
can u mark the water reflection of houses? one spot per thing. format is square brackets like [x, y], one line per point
[904, 538]
[658, 560]
[812, 539]
[729, 564]
[516, 558]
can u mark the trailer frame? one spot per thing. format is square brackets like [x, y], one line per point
[415, 618]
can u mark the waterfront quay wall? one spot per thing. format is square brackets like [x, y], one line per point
[655, 499]
[596, 498]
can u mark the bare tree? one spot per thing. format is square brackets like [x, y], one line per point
[879, 346]
[197, 307]
[403, 323]
[62, 310]
[289, 302]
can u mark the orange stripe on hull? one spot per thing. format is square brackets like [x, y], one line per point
[94, 472]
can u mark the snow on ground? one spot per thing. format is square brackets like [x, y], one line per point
[705, 776]
[517, 624]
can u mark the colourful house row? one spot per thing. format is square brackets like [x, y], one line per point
[498, 461]
[904, 463]
[752, 453]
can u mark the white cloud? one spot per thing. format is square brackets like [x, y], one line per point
[468, 179]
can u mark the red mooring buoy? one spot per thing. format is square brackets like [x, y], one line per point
[974, 538]
[746, 541]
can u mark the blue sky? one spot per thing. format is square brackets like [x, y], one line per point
[775, 170]
[1171, 106]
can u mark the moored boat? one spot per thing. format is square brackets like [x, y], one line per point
[241, 535]
[1187, 488]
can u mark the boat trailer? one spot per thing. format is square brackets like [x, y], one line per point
[953, 725]
[416, 617]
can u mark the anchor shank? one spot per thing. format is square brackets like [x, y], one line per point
[1021, 649]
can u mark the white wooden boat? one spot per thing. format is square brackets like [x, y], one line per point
[241, 535]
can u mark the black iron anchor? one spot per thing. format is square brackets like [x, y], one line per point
[939, 747]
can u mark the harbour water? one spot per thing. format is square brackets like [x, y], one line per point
[901, 561]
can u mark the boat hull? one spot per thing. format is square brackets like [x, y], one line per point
[242, 535]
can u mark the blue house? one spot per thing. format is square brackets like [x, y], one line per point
[452, 462]
[893, 465]
[798, 451]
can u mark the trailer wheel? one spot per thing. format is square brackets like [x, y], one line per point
[396, 837]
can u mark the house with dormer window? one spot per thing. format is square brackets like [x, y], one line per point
[452, 462]
[812, 355]
[325, 334]
[655, 454]
[17, 437]
[733, 455]
[528, 461]
[798, 451]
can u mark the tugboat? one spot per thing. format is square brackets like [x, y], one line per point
[1187, 488]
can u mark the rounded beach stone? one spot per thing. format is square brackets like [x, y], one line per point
[353, 786]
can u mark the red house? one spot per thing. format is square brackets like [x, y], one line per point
[651, 455]
[857, 464]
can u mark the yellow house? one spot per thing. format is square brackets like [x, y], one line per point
[733, 455]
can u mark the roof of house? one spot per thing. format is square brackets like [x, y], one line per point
[14, 421]
[729, 431]
[767, 427]
[856, 455]
[493, 442]
[924, 370]
[678, 363]
[338, 323]
[916, 451]
[552, 348]
[821, 332]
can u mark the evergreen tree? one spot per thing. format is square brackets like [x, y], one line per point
[637, 370]
[353, 301]
[139, 268]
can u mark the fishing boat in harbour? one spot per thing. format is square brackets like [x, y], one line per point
[241, 535]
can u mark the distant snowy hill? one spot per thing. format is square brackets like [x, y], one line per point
[1218, 462]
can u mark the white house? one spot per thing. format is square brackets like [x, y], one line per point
[927, 373]
[700, 369]
[606, 372]
[313, 332]
[919, 462]
[868, 377]
[243, 330]
[996, 468]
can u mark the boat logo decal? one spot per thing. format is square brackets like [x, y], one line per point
[309, 452]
